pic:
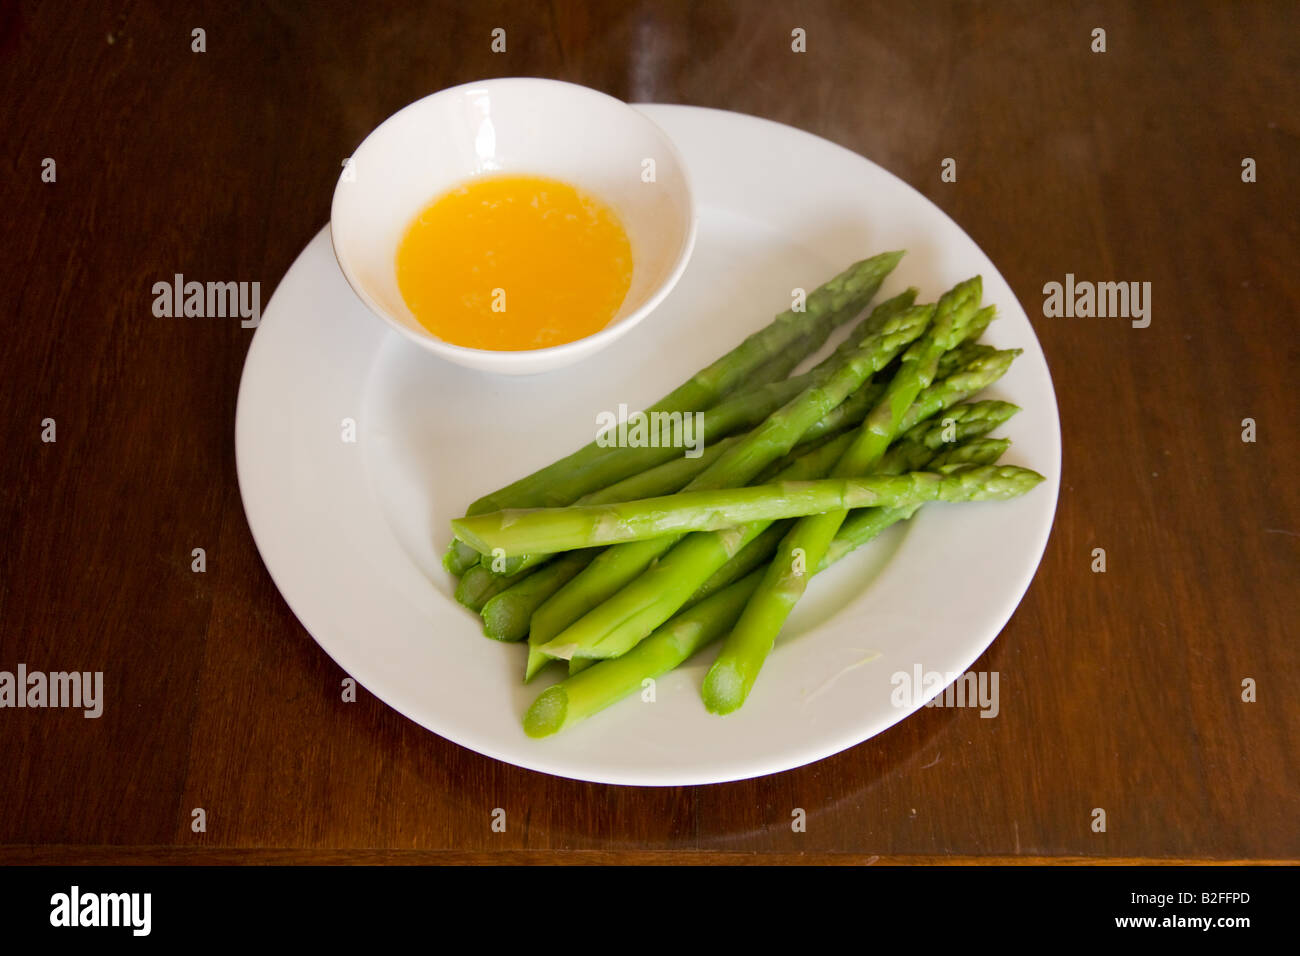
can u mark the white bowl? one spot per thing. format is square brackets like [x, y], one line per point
[523, 126]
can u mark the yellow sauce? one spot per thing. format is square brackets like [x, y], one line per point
[514, 262]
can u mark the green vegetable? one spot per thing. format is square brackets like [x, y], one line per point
[478, 585]
[507, 613]
[573, 700]
[955, 434]
[568, 529]
[542, 626]
[887, 335]
[732, 676]
[657, 594]
[972, 377]
[661, 480]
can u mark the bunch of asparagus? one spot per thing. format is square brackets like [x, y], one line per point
[631, 559]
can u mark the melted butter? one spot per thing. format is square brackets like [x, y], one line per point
[514, 262]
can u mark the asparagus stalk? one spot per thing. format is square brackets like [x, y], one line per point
[956, 432]
[478, 585]
[573, 700]
[543, 628]
[629, 615]
[888, 334]
[975, 363]
[983, 367]
[505, 623]
[608, 466]
[958, 429]
[675, 474]
[506, 615]
[569, 529]
[674, 591]
[961, 424]
[662, 591]
[733, 673]
[476, 591]
[813, 462]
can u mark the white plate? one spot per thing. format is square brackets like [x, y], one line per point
[352, 532]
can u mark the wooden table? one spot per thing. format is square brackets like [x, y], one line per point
[1121, 690]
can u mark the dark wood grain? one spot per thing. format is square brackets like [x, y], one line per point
[1120, 690]
[217, 856]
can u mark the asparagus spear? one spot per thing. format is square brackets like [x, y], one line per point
[619, 620]
[964, 371]
[733, 673]
[482, 583]
[569, 529]
[983, 367]
[759, 448]
[542, 626]
[476, 591]
[503, 622]
[956, 437]
[675, 474]
[508, 616]
[621, 623]
[577, 698]
[914, 451]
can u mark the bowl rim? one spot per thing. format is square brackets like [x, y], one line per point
[551, 355]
